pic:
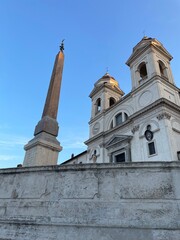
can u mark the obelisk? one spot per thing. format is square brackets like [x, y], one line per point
[44, 148]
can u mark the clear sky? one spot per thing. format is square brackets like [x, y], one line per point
[98, 34]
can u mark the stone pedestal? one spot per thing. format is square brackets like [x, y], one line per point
[42, 150]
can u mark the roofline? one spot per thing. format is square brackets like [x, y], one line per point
[161, 49]
[80, 154]
[160, 102]
[97, 89]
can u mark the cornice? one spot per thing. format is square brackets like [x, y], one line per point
[130, 94]
[151, 47]
[135, 55]
[158, 78]
[98, 116]
[93, 167]
[162, 102]
[165, 80]
[99, 88]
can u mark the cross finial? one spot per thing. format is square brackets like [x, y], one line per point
[62, 45]
[107, 69]
[144, 33]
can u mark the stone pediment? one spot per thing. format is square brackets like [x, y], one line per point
[144, 44]
[98, 87]
[117, 139]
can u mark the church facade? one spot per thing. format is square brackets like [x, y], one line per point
[143, 125]
[128, 201]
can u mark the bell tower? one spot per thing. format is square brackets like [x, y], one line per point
[105, 94]
[149, 59]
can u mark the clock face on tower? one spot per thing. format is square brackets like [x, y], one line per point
[96, 128]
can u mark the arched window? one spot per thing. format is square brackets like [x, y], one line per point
[162, 69]
[142, 70]
[118, 119]
[98, 105]
[111, 101]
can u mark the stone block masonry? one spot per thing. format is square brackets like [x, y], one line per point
[128, 201]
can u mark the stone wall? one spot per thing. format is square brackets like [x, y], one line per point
[128, 201]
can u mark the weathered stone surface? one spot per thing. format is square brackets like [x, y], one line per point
[126, 201]
[52, 99]
[51, 232]
[42, 150]
[48, 125]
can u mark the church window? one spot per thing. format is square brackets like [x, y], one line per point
[111, 101]
[118, 119]
[151, 148]
[120, 157]
[98, 105]
[162, 69]
[142, 70]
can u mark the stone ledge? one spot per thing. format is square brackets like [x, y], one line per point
[99, 166]
[34, 232]
[18, 222]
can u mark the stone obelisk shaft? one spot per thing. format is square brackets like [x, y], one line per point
[52, 100]
[48, 121]
[44, 148]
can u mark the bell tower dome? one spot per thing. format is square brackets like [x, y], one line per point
[105, 94]
[149, 59]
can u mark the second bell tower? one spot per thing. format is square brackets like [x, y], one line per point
[149, 59]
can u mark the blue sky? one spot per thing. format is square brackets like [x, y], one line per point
[98, 34]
